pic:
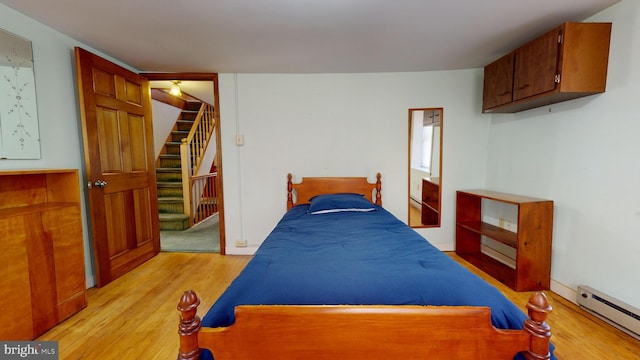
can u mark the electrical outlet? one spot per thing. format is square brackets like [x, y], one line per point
[241, 243]
[501, 223]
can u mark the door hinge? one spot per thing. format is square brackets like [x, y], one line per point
[556, 79]
[560, 38]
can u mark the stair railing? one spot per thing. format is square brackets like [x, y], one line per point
[205, 204]
[195, 189]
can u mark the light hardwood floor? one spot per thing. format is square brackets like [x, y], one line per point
[135, 317]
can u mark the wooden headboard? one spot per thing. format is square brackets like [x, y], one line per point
[312, 186]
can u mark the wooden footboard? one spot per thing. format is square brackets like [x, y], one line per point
[363, 332]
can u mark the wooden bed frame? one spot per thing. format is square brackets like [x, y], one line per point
[287, 332]
[310, 187]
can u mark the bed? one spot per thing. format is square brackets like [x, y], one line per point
[340, 277]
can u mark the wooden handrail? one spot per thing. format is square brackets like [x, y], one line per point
[200, 134]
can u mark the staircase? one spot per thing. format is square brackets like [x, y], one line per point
[169, 172]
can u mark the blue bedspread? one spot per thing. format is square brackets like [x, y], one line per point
[366, 258]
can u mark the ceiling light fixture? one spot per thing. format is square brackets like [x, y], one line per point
[175, 88]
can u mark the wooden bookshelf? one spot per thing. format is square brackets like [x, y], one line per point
[531, 241]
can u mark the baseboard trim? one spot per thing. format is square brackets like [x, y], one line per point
[90, 281]
[564, 291]
[249, 250]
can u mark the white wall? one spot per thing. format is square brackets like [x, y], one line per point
[56, 94]
[164, 117]
[341, 125]
[583, 154]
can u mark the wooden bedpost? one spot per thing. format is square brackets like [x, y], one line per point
[289, 192]
[538, 309]
[189, 326]
[378, 189]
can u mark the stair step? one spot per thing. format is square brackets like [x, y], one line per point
[184, 125]
[189, 114]
[170, 161]
[169, 189]
[173, 147]
[168, 175]
[169, 200]
[172, 184]
[177, 222]
[192, 105]
[170, 205]
[177, 136]
[168, 170]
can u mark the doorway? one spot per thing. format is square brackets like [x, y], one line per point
[216, 222]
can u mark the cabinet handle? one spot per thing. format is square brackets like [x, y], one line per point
[523, 86]
[505, 93]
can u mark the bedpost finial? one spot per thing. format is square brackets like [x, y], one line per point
[539, 306]
[538, 309]
[378, 189]
[188, 301]
[189, 326]
[289, 191]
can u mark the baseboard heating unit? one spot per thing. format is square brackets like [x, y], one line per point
[615, 312]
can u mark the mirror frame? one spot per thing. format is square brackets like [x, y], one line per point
[432, 205]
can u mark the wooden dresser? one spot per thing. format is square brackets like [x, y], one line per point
[42, 272]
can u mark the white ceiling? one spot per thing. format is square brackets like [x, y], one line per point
[305, 36]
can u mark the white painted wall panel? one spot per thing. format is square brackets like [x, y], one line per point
[341, 125]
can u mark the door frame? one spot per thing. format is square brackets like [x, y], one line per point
[213, 77]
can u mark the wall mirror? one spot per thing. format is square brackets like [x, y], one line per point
[19, 135]
[425, 166]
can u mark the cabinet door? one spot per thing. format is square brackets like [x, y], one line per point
[65, 231]
[498, 82]
[15, 289]
[536, 65]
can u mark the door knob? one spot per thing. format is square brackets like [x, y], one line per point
[100, 183]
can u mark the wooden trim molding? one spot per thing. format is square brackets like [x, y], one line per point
[158, 76]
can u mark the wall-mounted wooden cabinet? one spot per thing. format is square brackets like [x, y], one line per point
[42, 277]
[567, 62]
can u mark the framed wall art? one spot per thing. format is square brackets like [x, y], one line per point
[19, 135]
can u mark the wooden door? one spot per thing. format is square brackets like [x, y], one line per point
[536, 66]
[115, 105]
